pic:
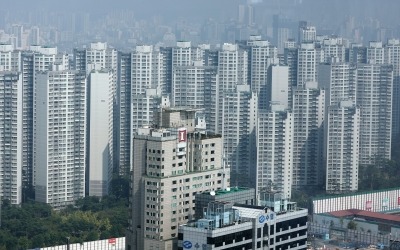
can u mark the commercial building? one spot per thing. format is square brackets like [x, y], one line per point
[228, 226]
[375, 223]
[375, 201]
[173, 162]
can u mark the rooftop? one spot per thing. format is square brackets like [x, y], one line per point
[229, 190]
[321, 197]
[367, 215]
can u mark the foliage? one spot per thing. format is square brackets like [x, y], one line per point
[34, 224]
[380, 175]
[352, 225]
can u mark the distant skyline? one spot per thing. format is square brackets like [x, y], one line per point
[318, 11]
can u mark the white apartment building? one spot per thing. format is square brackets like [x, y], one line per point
[188, 85]
[59, 137]
[392, 56]
[275, 150]
[307, 34]
[141, 77]
[261, 55]
[147, 69]
[291, 60]
[172, 164]
[374, 97]
[98, 55]
[239, 133]
[334, 50]
[339, 82]
[278, 86]
[343, 131]
[99, 132]
[375, 53]
[232, 66]
[183, 54]
[196, 87]
[307, 61]
[232, 71]
[9, 58]
[11, 136]
[38, 58]
[308, 117]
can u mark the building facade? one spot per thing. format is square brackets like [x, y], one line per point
[308, 140]
[60, 138]
[11, 136]
[99, 132]
[172, 164]
[228, 226]
[275, 150]
[343, 131]
[374, 97]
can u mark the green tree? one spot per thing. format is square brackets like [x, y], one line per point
[352, 225]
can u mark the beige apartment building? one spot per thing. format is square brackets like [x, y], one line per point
[173, 161]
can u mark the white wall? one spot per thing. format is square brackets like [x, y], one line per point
[100, 132]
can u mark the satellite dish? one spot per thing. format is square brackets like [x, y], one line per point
[212, 193]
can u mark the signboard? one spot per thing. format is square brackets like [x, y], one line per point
[187, 244]
[385, 202]
[112, 241]
[182, 135]
[261, 219]
[266, 217]
[368, 205]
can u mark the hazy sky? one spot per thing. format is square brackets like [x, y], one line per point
[314, 10]
[141, 8]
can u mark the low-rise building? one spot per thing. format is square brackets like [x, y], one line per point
[228, 226]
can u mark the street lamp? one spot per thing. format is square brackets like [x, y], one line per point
[67, 242]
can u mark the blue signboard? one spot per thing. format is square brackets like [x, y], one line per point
[187, 244]
[261, 219]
